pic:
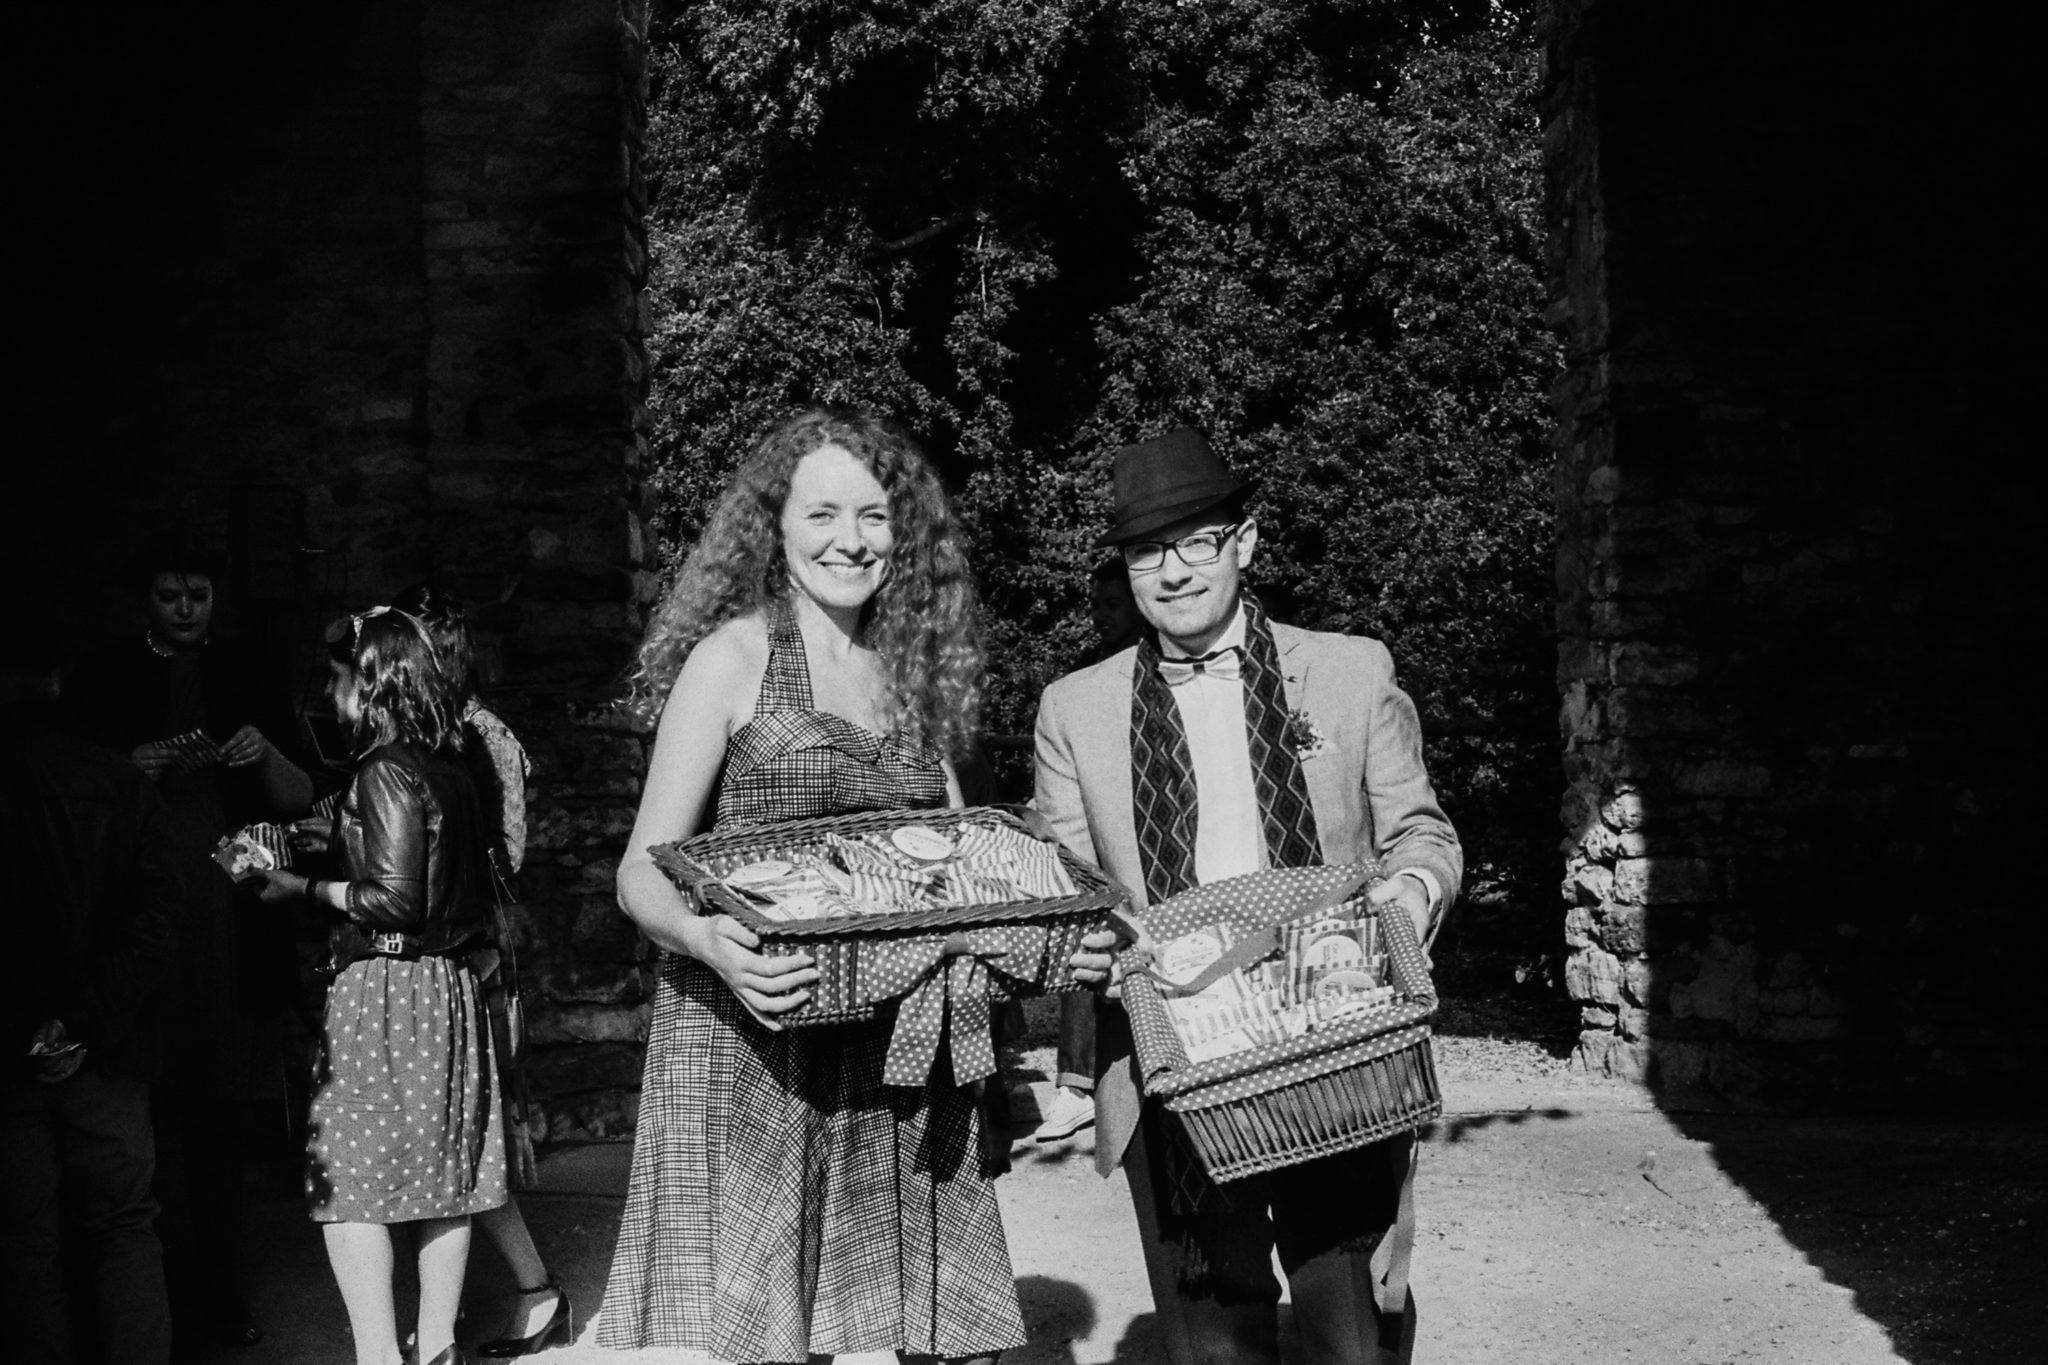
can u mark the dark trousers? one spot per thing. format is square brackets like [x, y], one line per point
[1074, 1064]
[75, 1165]
[200, 1146]
[1209, 1250]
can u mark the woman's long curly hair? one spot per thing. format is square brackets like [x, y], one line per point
[922, 621]
[403, 686]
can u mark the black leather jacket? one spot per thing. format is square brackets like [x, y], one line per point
[413, 841]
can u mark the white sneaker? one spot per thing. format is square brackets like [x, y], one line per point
[1070, 1111]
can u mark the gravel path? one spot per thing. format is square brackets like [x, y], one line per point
[1563, 1218]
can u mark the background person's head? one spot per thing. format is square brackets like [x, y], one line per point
[447, 623]
[178, 583]
[395, 688]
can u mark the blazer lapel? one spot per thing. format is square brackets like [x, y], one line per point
[1297, 664]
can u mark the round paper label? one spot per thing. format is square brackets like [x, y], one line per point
[1343, 985]
[758, 874]
[922, 842]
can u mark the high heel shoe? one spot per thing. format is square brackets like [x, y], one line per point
[558, 1330]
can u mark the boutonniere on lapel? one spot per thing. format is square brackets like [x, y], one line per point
[1303, 734]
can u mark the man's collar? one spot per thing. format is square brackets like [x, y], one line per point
[1231, 638]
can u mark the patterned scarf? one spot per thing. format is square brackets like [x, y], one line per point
[1163, 802]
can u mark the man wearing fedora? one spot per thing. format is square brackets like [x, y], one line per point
[1219, 744]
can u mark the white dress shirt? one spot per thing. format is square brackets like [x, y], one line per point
[1230, 835]
[1230, 838]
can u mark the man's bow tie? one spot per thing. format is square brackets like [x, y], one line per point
[1226, 663]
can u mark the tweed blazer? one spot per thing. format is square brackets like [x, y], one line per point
[1366, 781]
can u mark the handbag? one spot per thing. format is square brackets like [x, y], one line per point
[497, 967]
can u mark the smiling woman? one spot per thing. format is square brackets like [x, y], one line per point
[836, 534]
[816, 656]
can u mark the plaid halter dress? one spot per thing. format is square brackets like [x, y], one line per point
[785, 1202]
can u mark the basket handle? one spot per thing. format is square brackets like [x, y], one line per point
[1405, 960]
[1259, 943]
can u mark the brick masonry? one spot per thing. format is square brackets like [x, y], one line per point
[370, 314]
[1776, 542]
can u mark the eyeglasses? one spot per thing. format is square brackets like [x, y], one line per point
[1200, 548]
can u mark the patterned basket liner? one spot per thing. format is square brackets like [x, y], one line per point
[1364, 1078]
[866, 965]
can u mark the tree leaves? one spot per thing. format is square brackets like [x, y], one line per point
[1036, 231]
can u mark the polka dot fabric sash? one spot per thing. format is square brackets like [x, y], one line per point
[945, 985]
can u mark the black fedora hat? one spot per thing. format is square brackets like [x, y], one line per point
[1166, 479]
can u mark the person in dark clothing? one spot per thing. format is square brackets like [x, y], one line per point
[94, 897]
[199, 715]
[1113, 611]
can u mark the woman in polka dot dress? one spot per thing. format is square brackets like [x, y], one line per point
[406, 1125]
[816, 656]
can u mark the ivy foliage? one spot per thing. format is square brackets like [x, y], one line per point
[1034, 230]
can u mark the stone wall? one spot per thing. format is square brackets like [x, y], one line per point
[356, 293]
[1792, 572]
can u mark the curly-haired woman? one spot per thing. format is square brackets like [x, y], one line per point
[816, 656]
[406, 1126]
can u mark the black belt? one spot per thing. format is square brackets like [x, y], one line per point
[348, 944]
[394, 944]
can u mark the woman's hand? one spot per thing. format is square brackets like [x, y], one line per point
[314, 834]
[767, 986]
[152, 758]
[54, 1056]
[245, 747]
[275, 886]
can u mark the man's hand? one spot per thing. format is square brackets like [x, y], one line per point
[245, 747]
[55, 1059]
[1410, 895]
[1095, 964]
[767, 985]
[152, 758]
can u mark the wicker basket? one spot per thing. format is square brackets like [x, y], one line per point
[1022, 946]
[1357, 1080]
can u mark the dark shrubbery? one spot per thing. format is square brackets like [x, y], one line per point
[1034, 231]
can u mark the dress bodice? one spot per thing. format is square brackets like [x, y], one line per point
[792, 761]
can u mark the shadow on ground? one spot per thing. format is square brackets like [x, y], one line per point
[1935, 1226]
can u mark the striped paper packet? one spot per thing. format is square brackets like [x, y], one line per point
[191, 751]
[880, 876]
[1029, 863]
